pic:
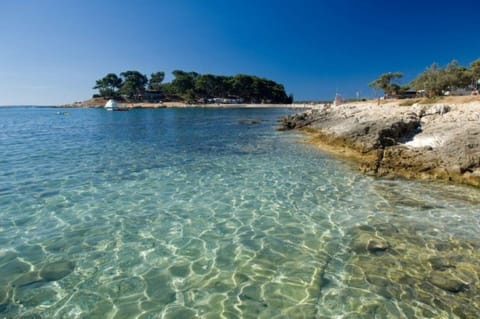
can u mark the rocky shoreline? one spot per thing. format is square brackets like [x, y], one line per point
[425, 141]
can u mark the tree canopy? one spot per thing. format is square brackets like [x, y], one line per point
[384, 82]
[194, 87]
[475, 71]
[109, 85]
[435, 80]
[133, 84]
[156, 80]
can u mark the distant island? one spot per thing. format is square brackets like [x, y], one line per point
[188, 88]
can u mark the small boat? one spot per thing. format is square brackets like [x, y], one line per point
[111, 105]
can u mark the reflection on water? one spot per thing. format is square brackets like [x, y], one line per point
[212, 213]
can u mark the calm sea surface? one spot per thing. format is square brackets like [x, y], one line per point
[208, 213]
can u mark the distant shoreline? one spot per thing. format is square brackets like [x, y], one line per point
[99, 103]
[143, 105]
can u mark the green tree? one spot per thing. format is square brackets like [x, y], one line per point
[384, 82]
[475, 71]
[430, 81]
[436, 80]
[190, 86]
[274, 92]
[206, 85]
[290, 99]
[455, 76]
[156, 79]
[255, 90]
[242, 86]
[108, 86]
[183, 82]
[168, 89]
[133, 84]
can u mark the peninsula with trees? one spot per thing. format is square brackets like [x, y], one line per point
[133, 87]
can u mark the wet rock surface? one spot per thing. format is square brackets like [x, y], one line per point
[413, 268]
[437, 141]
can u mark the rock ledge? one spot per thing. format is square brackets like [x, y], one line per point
[439, 141]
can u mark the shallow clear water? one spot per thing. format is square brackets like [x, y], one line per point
[182, 213]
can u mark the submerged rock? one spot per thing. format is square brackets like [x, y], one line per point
[365, 242]
[57, 270]
[404, 264]
[377, 245]
[447, 280]
[441, 263]
[249, 121]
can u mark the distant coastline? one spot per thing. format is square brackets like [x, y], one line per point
[100, 102]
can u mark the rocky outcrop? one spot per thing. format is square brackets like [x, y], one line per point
[420, 141]
[299, 120]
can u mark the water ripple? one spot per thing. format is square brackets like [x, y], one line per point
[188, 213]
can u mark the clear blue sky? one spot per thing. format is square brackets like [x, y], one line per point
[52, 51]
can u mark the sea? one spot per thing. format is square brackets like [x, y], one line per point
[214, 213]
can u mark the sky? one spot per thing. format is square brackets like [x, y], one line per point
[53, 51]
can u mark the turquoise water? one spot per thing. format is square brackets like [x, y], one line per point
[208, 213]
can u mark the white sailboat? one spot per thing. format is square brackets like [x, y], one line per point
[111, 105]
